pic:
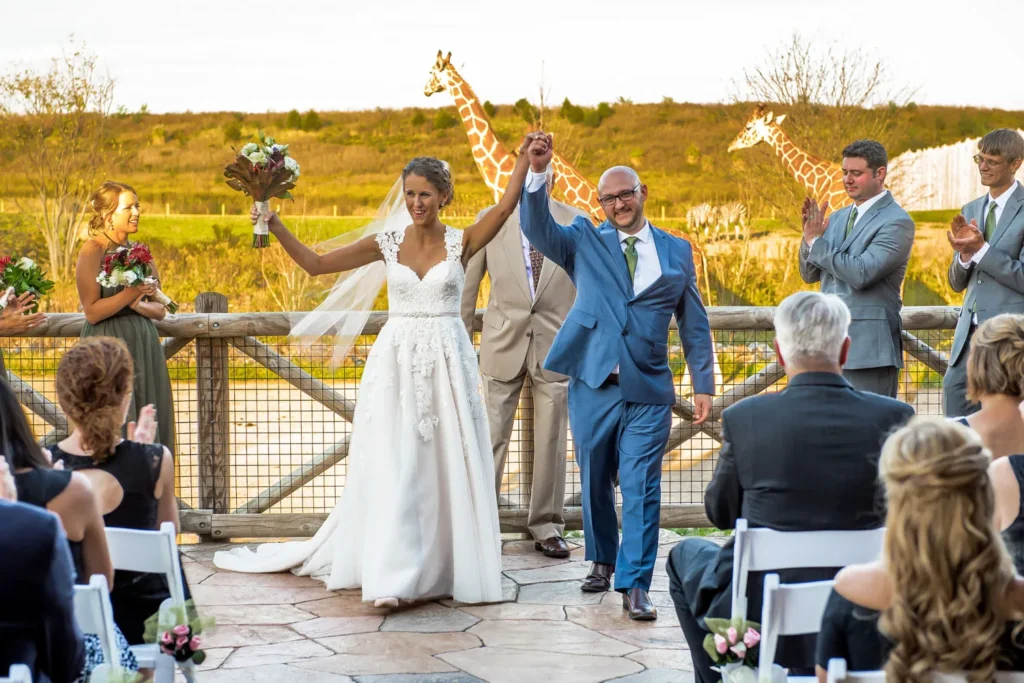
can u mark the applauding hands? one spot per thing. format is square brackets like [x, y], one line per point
[814, 221]
[965, 238]
[15, 317]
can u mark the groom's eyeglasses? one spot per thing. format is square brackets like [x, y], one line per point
[609, 199]
[991, 163]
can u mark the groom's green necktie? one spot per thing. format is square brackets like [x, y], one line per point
[631, 255]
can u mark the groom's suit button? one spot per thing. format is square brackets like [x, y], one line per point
[625, 333]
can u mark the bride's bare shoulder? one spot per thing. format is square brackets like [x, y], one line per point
[867, 585]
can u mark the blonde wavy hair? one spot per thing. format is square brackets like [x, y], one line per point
[995, 362]
[947, 564]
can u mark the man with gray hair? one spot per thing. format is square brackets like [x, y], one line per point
[860, 253]
[802, 459]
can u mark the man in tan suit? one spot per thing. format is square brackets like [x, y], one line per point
[530, 297]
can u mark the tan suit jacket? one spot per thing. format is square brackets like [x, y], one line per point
[513, 321]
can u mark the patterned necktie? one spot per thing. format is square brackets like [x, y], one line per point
[990, 220]
[631, 256]
[850, 221]
[536, 262]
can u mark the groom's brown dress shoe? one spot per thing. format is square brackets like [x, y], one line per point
[638, 604]
[553, 547]
[599, 579]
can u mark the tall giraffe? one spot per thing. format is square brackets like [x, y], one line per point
[496, 164]
[822, 179]
[491, 157]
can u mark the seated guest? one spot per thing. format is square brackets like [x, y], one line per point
[68, 495]
[37, 618]
[802, 459]
[134, 481]
[995, 379]
[944, 591]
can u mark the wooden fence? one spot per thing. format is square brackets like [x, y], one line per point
[216, 331]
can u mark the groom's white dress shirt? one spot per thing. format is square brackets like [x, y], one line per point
[648, 267]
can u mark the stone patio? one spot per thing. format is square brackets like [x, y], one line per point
[281, 627]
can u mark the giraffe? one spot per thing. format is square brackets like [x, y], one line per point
[822, 179]
[494, 162]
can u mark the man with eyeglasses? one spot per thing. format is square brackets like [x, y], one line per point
[987, 239]
[630, 278]
[860, 254]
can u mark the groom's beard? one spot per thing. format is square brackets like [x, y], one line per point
[634, 225]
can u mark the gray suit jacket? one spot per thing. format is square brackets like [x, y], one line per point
[513, 320]
[866, 271]
[996, 283]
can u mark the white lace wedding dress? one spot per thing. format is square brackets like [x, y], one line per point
[418, 516]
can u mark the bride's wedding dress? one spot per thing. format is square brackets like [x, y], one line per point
[418, 517]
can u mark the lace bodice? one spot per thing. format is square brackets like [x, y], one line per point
[440, 290]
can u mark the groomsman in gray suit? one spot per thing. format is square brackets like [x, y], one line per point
[860, 254]
[530, 297]
[988, 241]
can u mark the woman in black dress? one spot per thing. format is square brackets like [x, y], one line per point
[134, 481]
[71, 497]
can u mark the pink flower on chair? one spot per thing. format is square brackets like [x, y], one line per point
[180, 630]
[731, 633]
[720, 644]
[739, 649]
[194, 643]
[181, 642]
[751, 638]
[167, 638]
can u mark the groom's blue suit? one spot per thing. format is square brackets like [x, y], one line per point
[620, 423]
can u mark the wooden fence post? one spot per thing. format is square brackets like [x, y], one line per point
[213, 391]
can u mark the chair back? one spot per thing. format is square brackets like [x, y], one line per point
[789, 609]
[19, 673]
[837, 672]
[153, 552]
[94, 614]
[756, 550]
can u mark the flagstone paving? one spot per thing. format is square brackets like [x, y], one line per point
[281, 627]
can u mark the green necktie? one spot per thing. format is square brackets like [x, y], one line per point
[990, 220]
[851, 220]
[631, 256]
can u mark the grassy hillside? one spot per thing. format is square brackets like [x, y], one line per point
[352, 159]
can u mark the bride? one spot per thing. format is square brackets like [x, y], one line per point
[418, 517]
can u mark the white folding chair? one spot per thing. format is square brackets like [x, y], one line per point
[837, 672]
[19, 673]
[95, 615]
[790, 609]
[153, 552]
[758, 550]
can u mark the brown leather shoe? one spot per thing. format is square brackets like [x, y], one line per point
[599, 579]
[553, 547]
[638, 604]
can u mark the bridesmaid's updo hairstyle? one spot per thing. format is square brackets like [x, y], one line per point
[93, 379]
[437, 174]
[103, 203]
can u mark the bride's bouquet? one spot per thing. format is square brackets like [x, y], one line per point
[20, 276]
[263, 170]
[129, 265]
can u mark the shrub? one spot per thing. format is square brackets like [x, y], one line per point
[592, 118]
[570, 112]
[293, 120]
[526, 111]
[232, 131]
[444, 119]
[418, 119]
[489, 108]
[311, 121]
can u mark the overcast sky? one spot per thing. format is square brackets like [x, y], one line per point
[255, 56]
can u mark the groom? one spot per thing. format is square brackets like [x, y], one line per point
[630, 279]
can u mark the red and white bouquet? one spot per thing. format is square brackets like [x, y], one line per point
[262, 170]
[130, 265]
[22, 276]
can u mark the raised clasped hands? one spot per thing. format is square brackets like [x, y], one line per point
[15, 317]
[814, 221]
[965, 238]
[539, 147]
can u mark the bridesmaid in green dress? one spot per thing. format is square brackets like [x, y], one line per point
[125, 312]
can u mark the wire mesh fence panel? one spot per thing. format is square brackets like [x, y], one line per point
[282, 430]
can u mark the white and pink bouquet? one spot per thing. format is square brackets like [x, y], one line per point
[263, 170]
[21, 276]
[732, 645]
[130, 265]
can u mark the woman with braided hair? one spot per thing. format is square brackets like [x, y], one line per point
[944, 595]
[418, 517]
